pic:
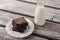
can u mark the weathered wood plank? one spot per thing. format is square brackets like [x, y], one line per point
[57, 16]
[56, 19]
[21, 7]
[50, 29]
[53, 3]
[5, 36]
[5, 15]
[18, 7]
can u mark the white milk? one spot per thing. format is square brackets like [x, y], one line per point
[39, 15]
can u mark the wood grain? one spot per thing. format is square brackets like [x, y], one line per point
[20, 7]
[49, 30]
[57, 19]
[5, 36]
[53, 3]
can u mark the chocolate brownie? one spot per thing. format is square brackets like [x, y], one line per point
[19, 24]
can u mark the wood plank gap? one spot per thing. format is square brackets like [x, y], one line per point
[16, 13]
[35, 34]
[52, 7]
[5, 36]
[36, 3]
[26, 15]
[2, 25]
[27, 2]
[53, 21]
[46, 37]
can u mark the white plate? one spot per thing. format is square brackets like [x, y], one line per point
[17, 34]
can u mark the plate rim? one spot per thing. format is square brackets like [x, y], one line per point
[19, 33]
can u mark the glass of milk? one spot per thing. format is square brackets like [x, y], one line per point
[39, 13]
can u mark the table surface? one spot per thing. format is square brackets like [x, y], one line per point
[51, 29]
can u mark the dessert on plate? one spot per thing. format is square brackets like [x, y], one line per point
[19, 27]
[19, 24]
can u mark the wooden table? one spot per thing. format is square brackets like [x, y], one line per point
[50, 31]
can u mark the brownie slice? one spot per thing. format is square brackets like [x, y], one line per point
[19, 24]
